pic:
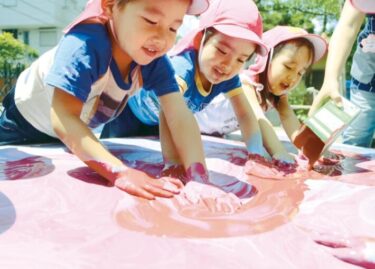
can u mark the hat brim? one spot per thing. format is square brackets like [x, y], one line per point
[365, 6]
[197, 7]
[319, 44]
[242, 33]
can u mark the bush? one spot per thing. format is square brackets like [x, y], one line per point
[301, 96]
[14, 57]
[13, 51]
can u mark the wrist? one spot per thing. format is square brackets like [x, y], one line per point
[107, 170]
[254, 144]
[173, 170]
[197, 172]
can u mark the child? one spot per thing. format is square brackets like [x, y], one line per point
[112, 49]
[362, 86]
[207, 62]
[293, 51]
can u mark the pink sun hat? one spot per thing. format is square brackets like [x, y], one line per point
[279, 34]
[238, 18]
[94, 9]
[365, 6]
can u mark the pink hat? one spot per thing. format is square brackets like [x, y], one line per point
[237, 18]
[365, 6]
[280, 34]
[94, 9]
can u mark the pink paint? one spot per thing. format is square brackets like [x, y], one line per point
[30, 167]
[270, 208]
[83, 225]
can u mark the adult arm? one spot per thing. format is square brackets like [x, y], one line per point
[339, 49]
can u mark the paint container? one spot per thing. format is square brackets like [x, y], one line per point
[323, 128]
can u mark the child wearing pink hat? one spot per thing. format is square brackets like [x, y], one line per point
[112, 49]
[207, 62]
[292, 52]
[362, 85]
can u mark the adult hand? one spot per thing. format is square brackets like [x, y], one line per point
[329, 90]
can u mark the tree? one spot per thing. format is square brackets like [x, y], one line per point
[299, 13]
[14, 51]
[14, 56]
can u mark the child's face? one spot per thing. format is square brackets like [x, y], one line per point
[146, 29]
[222, 57]
[287, 68]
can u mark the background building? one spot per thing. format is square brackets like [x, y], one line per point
[38, 23]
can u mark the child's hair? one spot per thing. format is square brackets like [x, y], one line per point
[121, 3]
[265, 94]
[209, 32]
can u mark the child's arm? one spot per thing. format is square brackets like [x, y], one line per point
[65, 117]
[184, 131]
[288, 118]
[170, 153]
[270, 140]
[248, 123]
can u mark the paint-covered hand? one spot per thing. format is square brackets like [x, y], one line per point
[209, 197]
[261, 167]
[229, 185]
[199, 190]
[173, 170]
[356, 251]
[140, 184]
[330, 158]
[198, 173]
[284, 157]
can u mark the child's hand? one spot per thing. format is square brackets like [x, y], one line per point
[284, 157]
[173, 170]
[263, 168]
[198, 173]
[230, 185]
[214, 199]
[357, 251]
[140, 184]
[330, 158]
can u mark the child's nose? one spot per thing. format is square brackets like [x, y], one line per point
[226, 64]
[291, 78]
[159, 41]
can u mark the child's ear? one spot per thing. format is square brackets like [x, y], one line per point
[107, 6]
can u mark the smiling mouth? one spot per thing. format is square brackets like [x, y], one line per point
[151, 52]
[284, 86]
[218, 74]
